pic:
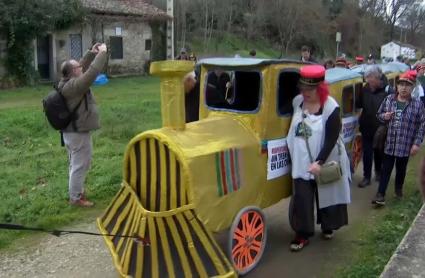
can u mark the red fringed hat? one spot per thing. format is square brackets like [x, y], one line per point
[312, 75]
[408, 76]
[341, 62]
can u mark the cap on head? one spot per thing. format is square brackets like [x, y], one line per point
[312, 75]
[359, 58]
[408, 76]
[341, 62]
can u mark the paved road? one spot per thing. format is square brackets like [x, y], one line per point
[85, 256]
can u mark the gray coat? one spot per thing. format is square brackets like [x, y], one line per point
[77, 89]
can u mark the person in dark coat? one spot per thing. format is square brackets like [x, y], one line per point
[370, 99]
[192, 90]
[218, 82]
[306, 55]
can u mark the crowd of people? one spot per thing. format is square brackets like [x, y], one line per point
[392, 125]
[395, 117]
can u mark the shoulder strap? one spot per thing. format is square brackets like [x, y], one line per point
[306, 139]
[308, 145]
[74, 125]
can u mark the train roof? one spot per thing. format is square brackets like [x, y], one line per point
[338, 74]
[332, 75]
[386, 68]
[401, 67]
[245, 62]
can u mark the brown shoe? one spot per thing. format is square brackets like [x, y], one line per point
[81, 203]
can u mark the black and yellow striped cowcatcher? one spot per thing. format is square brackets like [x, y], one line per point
[154, 203]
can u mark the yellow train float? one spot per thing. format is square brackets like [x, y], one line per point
[183, 182]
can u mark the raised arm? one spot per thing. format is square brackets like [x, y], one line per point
[81, 84]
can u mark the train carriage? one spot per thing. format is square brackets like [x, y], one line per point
[183, 182]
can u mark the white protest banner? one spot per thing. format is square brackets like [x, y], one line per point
[278, 161]
[349, 125]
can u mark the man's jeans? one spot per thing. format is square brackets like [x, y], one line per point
[79, 147]
[370, 154]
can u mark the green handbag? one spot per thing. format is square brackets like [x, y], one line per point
[330, 172]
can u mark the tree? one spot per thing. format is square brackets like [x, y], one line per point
[21, 21]
[285, 17]
[373, 8]
[396, 9]
[414, 20]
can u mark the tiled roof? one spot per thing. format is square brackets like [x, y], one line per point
[137, 8]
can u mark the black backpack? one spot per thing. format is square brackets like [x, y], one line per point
[56, 109]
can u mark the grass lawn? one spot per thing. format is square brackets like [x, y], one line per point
[33, 165]
[383, 230]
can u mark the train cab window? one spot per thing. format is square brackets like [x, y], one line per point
[233, 90]
[348, 100]
[287, 90]
[358, 87]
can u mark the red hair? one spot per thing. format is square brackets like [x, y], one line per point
[323, 92]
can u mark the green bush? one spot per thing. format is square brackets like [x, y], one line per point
[22, 21]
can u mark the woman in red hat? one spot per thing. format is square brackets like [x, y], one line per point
[405, 119]
[313, 139]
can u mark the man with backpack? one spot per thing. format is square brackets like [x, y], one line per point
[75, 87]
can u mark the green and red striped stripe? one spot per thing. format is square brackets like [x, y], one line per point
[227, 170]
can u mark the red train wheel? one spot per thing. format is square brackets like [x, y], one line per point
[248, 236]
[357, 151]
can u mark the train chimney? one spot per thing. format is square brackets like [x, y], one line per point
[171, 73]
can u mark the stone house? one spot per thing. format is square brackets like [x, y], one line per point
[124, 25]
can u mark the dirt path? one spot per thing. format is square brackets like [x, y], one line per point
[87, 256]
[66, 256]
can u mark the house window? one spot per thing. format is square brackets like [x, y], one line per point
[76, 46]
[116, 47]
[148, 45]
[348, 100]
[237, 91]
[287, 89]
